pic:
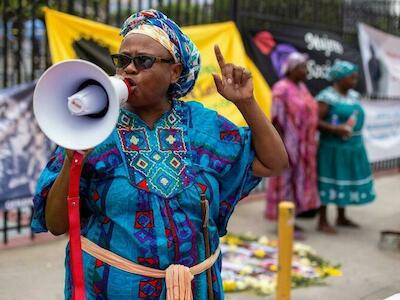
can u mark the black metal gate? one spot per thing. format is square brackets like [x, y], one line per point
[25, 53]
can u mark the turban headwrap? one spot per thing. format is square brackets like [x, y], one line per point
[292, 61]
[341, 69]
[165, 31]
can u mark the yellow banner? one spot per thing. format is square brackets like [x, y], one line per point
[64, 30]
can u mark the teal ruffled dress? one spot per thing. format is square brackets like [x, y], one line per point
[344, 174]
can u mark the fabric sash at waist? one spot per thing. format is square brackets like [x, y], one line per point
[177, 277]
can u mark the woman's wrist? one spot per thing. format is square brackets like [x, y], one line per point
[245, 104]
[328, 128]
[333, 129]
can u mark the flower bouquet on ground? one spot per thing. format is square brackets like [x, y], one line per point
[250, 263]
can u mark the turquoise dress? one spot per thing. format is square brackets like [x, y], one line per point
[141, 194]
[344, 174]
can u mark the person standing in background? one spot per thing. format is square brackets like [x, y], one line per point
[344, 174]
[374, 69]
[295, 115]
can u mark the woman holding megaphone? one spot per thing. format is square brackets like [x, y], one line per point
[157, 194]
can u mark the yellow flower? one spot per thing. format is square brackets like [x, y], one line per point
[260, 253]
[233, 240]
[273, 268]
[229, 285]
[331, 271]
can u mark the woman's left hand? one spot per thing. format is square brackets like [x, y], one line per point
[236, 83]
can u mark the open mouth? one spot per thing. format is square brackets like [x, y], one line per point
[132, 84]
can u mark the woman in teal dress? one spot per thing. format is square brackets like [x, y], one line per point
[344, 175]
[141, 189]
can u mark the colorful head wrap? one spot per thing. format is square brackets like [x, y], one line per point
[279, 55]
[341, 69]
[165, 31]
[292, 61]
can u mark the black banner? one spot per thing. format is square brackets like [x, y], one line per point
[24, 150]
[268, 48]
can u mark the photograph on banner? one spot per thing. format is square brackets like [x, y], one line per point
[380, 53]
[269, 48]
[382, 129]
[24, 150]
[74, 37]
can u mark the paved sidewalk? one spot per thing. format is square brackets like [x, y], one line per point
[36, 272]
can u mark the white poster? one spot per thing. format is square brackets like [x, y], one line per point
[380, 53]
[382, 129]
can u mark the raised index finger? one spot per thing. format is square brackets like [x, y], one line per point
[219, 56]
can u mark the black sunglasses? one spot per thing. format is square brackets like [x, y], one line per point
[141, 62]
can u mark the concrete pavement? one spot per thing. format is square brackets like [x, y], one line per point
[36, 272]
[368, 272]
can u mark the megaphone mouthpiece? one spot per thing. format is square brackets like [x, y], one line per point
[90, 100]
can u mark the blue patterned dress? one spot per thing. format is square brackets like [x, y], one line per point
[141, 189]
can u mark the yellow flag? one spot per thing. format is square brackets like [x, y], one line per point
[65, 33]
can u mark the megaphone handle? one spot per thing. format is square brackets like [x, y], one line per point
[78, 282]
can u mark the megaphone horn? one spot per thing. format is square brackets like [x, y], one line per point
[76, 103]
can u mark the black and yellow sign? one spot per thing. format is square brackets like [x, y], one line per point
[74, 37]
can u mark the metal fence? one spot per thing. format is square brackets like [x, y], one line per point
[24, 48]
[14, 222]
[25, 52]
[339, 16]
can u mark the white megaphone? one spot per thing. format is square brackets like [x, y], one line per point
[76, 103]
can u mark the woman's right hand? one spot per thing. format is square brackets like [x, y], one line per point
[56, 211]
[342, 131]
